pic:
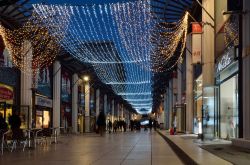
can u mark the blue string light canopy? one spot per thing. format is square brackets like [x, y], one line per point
[118, 40]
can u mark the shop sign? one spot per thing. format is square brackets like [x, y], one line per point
[42, 101]
[6, 92]
[43, 79]
[225, 60]
[196, 27]
[39, 113]
[196, 56]
[196, 43]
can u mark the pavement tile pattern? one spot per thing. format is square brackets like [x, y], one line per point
[126, 148]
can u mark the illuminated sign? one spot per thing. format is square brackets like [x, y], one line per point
[225, 60]
[196, 27]
[6, 93]
[42, 101]
[196, 43]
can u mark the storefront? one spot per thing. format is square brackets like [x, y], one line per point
[66, 99]
[42, 96]
[198, 105]
[227, 80]
[205, 110]
[43, 112]
[9, 85]
[6, 101]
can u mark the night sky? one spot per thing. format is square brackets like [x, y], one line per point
[78, 2]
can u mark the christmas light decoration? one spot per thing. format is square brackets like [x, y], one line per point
[41, 51]
[231, 30]
[120, 41]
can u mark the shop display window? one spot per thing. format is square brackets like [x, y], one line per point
[229, 108]
[43, 118]
[2, 112]
[46, 119]
[198, 116]
[24, 116]
[198, 105]
[209, 112]
[8, 113]
[39, 119]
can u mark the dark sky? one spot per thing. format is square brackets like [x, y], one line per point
[77, 2]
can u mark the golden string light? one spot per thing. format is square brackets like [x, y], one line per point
[170, 41]
[32, 46]
[231, 30]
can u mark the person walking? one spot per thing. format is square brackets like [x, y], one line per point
[109, 126]
[155, 124]
[131, 125]
[3, 124]
[124, 124]
[150, 124]
[115, 125]
[101, 122]
[15, 124]
[175, 125]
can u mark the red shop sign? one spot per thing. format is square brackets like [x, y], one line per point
[196, 27]
[6, 93]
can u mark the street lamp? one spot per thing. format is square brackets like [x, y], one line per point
[86, 78]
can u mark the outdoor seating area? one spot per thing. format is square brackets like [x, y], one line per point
[21, 139]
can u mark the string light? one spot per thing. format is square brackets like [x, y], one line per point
[138, 100]
[231, 30]
[41, 51]
[146, 93]
[121, 41]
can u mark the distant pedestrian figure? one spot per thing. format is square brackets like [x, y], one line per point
[115, 125]
[15, 124]
[132, 125]
[3, 124]
[175, 125]
[155, 124]
[109, 126]
[171, 131]
[124, 124]
[150, 124]
[120, 125]
[101, 122]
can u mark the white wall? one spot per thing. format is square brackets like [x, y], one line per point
[208, 44]
[56, 93]
[189, 88]
[26, 81]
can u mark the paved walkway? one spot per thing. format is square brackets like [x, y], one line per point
[194, 151]
[130, 148]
